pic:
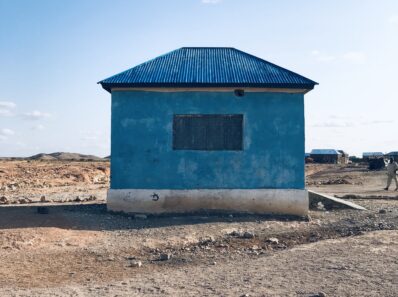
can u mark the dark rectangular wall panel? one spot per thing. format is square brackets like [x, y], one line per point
[208, 132]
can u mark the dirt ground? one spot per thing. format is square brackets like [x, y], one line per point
[79, 249]
[355, 180]
[56, 181]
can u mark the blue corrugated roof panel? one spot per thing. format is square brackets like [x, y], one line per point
[390, 154]
[372, 154]
[208, 67]
[324, 152]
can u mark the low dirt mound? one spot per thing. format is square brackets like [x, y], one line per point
[62, 156]
[44, 157]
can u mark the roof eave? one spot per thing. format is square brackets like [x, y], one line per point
[108, 86]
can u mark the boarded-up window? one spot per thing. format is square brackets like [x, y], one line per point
[208, 132]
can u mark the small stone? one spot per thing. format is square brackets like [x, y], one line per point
[165, 256]
[22, 201]
[77, 199]
[43, 199]
[214, 263]
[92, 198]
[140, 217]
[382, 211]
[3, 200]
[248, 235]
[273, 240]
[234, 233]
[320, 206]
[137, 264]
[206, 240]
[322, 294]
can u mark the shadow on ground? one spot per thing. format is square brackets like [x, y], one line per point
[95, 217]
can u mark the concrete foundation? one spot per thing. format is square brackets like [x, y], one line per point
[259, 201]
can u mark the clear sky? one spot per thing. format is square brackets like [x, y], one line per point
[52, 54]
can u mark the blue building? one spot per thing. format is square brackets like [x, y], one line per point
[331, 156]
[207, 129]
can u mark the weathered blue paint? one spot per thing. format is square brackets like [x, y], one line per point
[142, 156]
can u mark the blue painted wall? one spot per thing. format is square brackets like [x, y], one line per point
[143, 158]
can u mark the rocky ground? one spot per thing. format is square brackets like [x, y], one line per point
[79, 249]
[52, 181]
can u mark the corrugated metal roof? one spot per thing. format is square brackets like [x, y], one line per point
[372, 154]
[324, 152]
[208, 67]
[392, 154]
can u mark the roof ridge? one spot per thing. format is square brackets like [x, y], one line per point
[207, 47]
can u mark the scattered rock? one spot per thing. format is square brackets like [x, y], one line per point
[77, 199]
[91, 198]
[165, 256]
[140, 217]
[235, 233]
[206, 240]
[320, 206]
[24, 200]
[273, 240]
[248, 235]
[4, 200]
[137, 264]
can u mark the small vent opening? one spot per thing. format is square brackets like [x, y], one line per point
[239, 93]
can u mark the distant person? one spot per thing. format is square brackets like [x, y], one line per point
[392, 168]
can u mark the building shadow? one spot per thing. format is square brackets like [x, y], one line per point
[95, 217]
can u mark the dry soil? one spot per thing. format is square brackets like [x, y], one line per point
[79, 249]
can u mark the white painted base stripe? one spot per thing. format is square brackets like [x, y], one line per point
[260, 201]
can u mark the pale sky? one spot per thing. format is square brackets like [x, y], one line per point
[52, 54]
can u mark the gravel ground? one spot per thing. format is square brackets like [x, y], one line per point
[367, 268]
[79, 249]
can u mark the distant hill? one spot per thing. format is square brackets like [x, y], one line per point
[62, 156]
